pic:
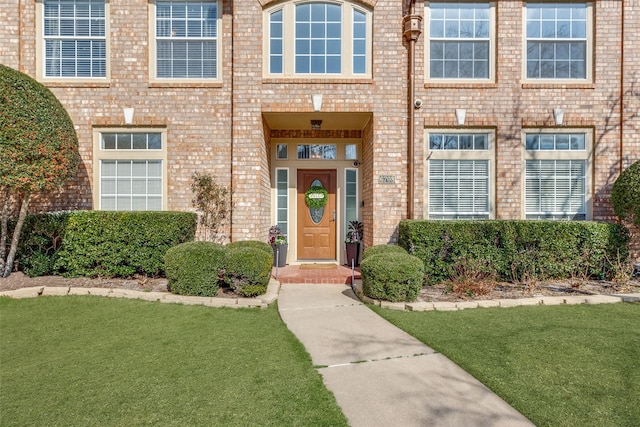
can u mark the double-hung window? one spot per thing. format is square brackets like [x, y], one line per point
[186, 39]
[131, 170]
[318, 38]
[459, 177]
[460, 35]
[556, 175]
[558, 40]
[75, 43]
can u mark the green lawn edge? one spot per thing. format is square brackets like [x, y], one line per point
[88, 361]
[559, 366]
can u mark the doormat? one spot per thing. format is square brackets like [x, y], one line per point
[318, 266]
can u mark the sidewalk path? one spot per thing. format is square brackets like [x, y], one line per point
[380, 375]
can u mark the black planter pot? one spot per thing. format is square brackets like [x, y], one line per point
[353, 253]
[279, 255]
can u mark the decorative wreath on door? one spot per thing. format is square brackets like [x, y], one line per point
[316, 197]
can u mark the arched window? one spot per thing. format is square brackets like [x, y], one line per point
[318, 38]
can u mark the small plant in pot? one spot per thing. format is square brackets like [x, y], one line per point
[352, 241]
[278, 242]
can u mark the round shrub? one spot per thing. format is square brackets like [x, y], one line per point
[383, 249]
[392, 276]
[193, 268]
[625, 194]
[248, 270]
[256, 244]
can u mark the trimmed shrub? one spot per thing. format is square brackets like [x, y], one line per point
[41, 238]
[38, 152]
[121, 244]
[248, 270]
[256, 244]
[625, 194]
[382, 249]
[194, 268]
[392, 276]
[515, 250]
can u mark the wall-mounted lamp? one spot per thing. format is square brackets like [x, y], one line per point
[317, 101]
[558, 115]
[316, 124]
[128, 115]
[461, 114]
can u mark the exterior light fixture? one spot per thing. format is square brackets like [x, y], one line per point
[558, 115]
[316, 124]
[317, 101]
[461, 114]
[128, 115]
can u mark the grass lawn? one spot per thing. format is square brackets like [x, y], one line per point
[100, 361]
[558, 365]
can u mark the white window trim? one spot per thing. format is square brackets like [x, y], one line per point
[275, 198]
[40, 50]
[492, 50]
[99, 154]
[590, 52]
[586, 155]
[153, 51]
[489, 154]
[288, 35]
[346, 226]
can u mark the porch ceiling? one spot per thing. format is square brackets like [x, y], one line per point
[330, 121]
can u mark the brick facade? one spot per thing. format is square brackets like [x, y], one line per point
[219, 127]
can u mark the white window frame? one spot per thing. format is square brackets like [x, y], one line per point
[491, 77]
[585, 156]
[100, 154]
[41, 50]
[356, 195]
[153, 47]
[487, 155]
[289, 34]
[276, 206]
[589, 47]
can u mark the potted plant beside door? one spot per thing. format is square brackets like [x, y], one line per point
[278, 242]
[352, 242]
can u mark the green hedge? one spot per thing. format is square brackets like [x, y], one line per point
[256, 244]
[515, 250]
[392, 276]
[119, 244]
[625, 194]
[40, 240]
[382, 249]
[194, 268]
[248, 270]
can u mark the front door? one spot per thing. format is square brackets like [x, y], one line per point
[317, 227]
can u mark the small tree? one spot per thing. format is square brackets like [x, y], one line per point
[213, 203]
[38, 151]
[625, 195]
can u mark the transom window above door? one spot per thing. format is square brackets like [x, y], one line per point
[318, 38]
[317, 151]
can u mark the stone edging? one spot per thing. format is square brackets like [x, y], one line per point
[261, 301]
[518, 302]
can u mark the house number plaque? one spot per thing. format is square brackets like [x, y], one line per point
[387, 179]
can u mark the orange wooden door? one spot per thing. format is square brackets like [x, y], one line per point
[317, 228]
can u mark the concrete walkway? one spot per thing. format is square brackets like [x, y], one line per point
[380, 375]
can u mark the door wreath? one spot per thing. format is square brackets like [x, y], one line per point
[316, 197]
